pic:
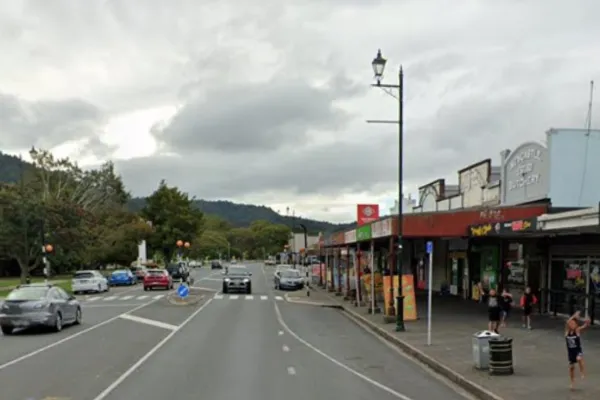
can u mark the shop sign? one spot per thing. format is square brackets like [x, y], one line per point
[337, 238]
[381, 228]
[504, 228]
[525, 174]
[366, 213]
[363, 233]
[350, 236]
[327, 241]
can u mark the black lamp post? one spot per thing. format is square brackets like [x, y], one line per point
[378, 65]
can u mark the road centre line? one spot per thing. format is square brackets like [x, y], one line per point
[73, 336]
[149, 354]
[86, 306]
[148, 321]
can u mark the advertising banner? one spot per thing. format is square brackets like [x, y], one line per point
[363, 233]
[408, 291]
[366, 213]
[381, 228]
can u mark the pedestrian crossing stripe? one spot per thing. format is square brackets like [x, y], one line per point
[246, 297]
[120, 298]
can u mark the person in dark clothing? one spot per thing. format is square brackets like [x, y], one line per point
[507, 300]
[528, 300]
[574, 348]
[494, 310]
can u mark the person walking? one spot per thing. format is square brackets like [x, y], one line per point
[507, 300]
[574, 348]
[494, 310]
[528, 300]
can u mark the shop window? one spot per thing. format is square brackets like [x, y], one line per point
[595, 276]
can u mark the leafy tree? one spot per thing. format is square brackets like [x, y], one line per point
[213, 244]
[173, 217]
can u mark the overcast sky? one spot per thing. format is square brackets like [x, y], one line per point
[265, 101]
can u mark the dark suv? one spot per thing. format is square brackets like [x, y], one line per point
[216, 264]
[178, 272]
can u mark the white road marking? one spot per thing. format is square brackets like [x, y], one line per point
[291, 370]
[249, 297]
[219, 296]
[234, 297]
[150, 322]
[264, 297]
[336, 362]
[127, 297]
[158, 296]
[149, 354]
[285, 349]
[86, 306]
[94, 298]
[109, 298]
[278, 298]
[73, 336]
[280, 333]
[142, 297]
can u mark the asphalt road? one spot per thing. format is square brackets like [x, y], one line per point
[222, 348]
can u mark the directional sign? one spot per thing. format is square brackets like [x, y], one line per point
[429, 247]
[183, 291]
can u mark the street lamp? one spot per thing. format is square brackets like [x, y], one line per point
[378, 65]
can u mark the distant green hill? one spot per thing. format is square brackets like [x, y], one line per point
[240, 215]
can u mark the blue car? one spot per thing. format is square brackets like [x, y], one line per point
[122, 277]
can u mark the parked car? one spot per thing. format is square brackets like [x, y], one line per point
[122, 277]
[158, 278]
[89, 281]
[178, 271]
[44, 305]
[216, 264]
[139, 272]
[288, 279]
[238, 279]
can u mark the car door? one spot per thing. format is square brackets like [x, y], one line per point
[60, 303]
[71, 303]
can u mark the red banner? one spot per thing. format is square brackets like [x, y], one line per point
[366, 213]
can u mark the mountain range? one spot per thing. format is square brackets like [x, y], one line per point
[238, 215]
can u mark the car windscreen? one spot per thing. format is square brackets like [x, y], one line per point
[83, 275]
[28, 293]
[238, 272]
[290, 274]
[156, 273]
[120, 272]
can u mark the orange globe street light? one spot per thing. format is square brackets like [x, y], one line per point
[186, 245]
[179, 243]
[49, 248]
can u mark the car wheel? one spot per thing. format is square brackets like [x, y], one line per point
[78, 317]
[58, 323]
[145, 289]
[7, 330]
[224, 289]
[75, 292]
[249, 290]
[99, 288]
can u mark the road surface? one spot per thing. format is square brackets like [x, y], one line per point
[224, 347]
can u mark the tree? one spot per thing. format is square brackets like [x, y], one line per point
[173, 217]
[213, 244]
[269, 238]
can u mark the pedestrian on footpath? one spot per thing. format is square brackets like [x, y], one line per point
[574, 348]
[494, 310]
[528, 300]
[507, 300]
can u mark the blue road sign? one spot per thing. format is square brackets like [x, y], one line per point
[429, 247]
[183, 291]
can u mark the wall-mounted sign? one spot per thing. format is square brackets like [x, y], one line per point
[381, 228]
[525, 174]
[363, 233]
[366, 213]
[504, 228]
[350, 236]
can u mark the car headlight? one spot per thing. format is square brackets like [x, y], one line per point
[40, 306]
[246, 280]
[227, 279]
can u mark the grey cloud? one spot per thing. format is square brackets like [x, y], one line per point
[47, 123]
[254, 117]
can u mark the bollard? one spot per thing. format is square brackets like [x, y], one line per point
[501, 360]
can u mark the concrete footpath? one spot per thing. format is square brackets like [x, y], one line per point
[540, 359]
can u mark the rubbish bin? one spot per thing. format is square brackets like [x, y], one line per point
[501, 359]
[481, 348]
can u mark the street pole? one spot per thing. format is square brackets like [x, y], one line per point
[378, 65]
[429, 291]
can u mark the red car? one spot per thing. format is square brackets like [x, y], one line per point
[157, 278]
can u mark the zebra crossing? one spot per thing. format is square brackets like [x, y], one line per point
[102, 299]
[220, 296]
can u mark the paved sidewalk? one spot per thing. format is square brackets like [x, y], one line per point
[540, 359]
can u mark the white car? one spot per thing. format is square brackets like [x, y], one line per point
[89, 281]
